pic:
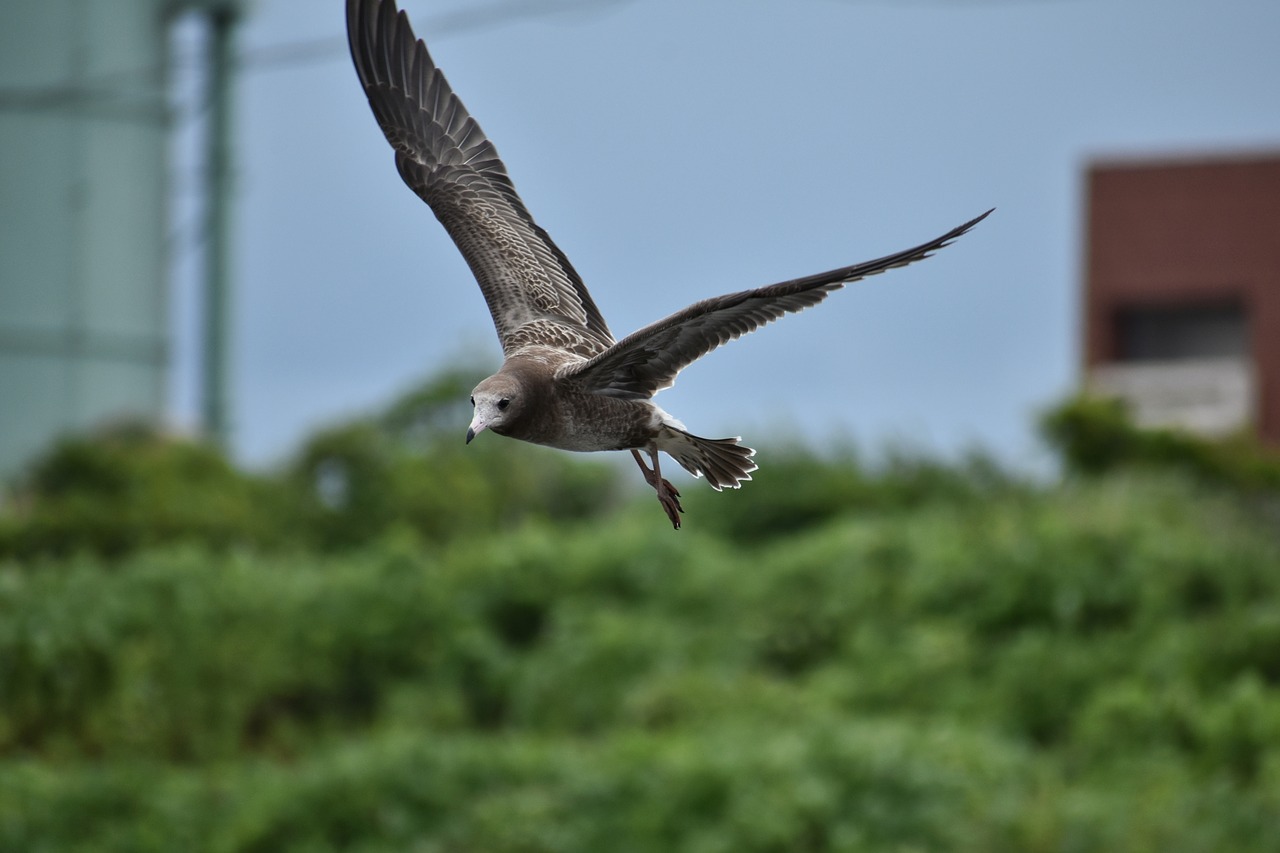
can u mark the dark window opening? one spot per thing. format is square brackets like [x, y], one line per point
[1167, 332]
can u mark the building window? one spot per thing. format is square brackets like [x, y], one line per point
[1184, 365]
[1179, 332]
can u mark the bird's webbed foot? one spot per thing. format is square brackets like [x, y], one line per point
[668, 495]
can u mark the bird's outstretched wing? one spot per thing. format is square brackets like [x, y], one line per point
[534, 294]
[642, 364]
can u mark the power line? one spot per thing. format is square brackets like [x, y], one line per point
[91, 92]
[449, 23]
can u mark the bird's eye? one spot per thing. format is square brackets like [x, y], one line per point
[503, 403]
[473, 401]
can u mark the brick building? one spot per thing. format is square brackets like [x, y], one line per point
[1182, 292]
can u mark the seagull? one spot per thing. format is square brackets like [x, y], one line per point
[565, 381]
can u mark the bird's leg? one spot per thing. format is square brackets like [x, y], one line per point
[668, 495]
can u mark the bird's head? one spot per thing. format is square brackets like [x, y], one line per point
[496, 402]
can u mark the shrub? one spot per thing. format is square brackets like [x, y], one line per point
[130, 487]
[964, 663]
[1095, 435]
[118, 491]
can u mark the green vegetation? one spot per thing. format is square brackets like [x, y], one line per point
[404, 469]
[1096, 435]
[916, 657]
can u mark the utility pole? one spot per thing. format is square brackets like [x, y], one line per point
[215, 400]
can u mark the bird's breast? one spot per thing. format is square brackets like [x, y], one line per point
[586, 422]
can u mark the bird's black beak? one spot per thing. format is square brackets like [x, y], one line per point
[470, 434]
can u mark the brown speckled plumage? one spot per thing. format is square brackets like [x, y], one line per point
[565, 381]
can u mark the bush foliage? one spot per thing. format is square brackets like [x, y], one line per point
[128, 488]
[923, 657]
[1095, 435]
[401, 469]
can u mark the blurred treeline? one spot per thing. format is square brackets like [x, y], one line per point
[395, 643]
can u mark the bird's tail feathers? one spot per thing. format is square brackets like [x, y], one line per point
[723, 461]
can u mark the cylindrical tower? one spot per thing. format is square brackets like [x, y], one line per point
[83, 144]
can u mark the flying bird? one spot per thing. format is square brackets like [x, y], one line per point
[565, 381]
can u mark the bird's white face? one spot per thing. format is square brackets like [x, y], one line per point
[494, 403]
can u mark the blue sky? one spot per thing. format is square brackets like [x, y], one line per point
[677, 150]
